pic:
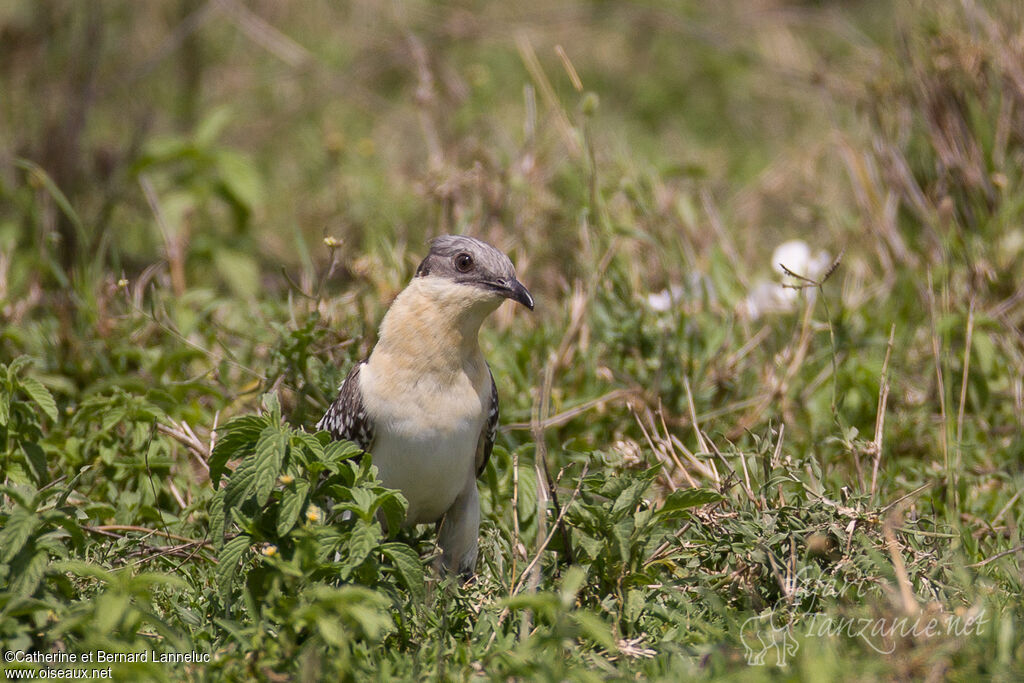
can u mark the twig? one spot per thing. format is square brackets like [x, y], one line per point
[182, 433]
[565, 416]
[696, 428]
[906, 591]
[963, 387]
[547, 539]
[529, 57]
[940, 385]
[264, 34]
[995, 557]
[108, 529]
[883, 397]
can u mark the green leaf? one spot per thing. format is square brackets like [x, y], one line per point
[595, 629]
[630, 497]
[270, 450]
[36, 460]
[146, 581]
[83, 569]
[238, 270]
[542, 603]
[408, 567]
[308, 444]
[40, 395]
[241, 181]
[293, 499]
[210, 128]
[393, 505]
[679, 501]
[236, 440]
[337, 451]
[572, 582]
[113, 417]
[110, 607]
[17, 530]
[241, 484]
[28, 571]
[332, 630]
[361, 543]
[527, 493]
[218, 519]
[272, 405]
[373, 619]
[59, 519]
[230, 555]
[15, 367]
[5, 408]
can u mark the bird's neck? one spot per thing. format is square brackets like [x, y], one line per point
[434, 326]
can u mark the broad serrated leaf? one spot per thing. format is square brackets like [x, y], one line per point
[360, 544]
[110, 607]
[393, 505]
[628, 499]
[337, 451]
[5, 408]
[40, 395]
[113, 417]
[28, 570]
[527, 501]
[17, 530]
[235, 440]
[594, 629]
[309, 444]
[272, 405]
[218, 520]
[69, 524]
[332, 630]
[270, 450]
[230, 555]
[36, 460]
[149, 580]
[408, 567]
[679, 501]
[16, 366]
[241, 484]
[83, 569]
[293, 499]
[373, 619]
[362, 503]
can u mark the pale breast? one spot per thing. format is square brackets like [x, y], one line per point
[426, 439]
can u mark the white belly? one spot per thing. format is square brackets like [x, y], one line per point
[426, 440]
[430, 469]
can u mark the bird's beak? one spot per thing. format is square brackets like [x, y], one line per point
[514, 289]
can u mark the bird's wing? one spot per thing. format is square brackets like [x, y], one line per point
[347, 418]
[490, 430]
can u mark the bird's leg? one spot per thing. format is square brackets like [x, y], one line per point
[459, 531]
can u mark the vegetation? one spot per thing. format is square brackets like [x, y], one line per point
[206, 207]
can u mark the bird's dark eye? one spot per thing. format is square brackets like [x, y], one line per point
[463, 263]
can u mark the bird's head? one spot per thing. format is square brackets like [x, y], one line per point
[468, 262]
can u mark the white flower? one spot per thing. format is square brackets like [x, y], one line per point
[796, 255]
[779, 297]
[664, 300]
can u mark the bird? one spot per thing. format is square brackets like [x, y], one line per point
[424, 404]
